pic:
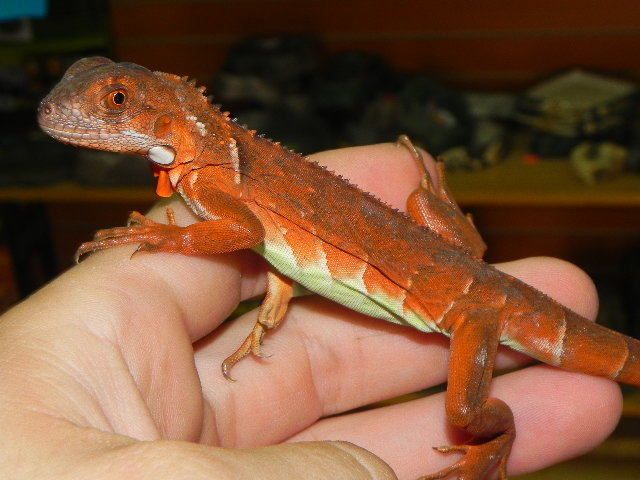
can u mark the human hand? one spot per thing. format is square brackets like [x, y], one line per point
[113, 371]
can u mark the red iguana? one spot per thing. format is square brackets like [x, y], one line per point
[316, 229]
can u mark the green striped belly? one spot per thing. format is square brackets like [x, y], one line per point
[348, 290]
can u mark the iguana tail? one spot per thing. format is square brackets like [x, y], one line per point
[557, 336]
[596, 350]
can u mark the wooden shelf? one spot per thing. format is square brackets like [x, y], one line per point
[548, 183]
[73, 193]
[511, 183]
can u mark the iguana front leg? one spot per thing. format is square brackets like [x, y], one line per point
[232, 227]
[433, 207]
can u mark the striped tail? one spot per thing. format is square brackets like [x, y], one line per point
[551, 333]
[593, 349]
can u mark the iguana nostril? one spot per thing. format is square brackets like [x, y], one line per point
[46, 109]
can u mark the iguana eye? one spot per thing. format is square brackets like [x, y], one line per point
[115, 100]
[119, 98]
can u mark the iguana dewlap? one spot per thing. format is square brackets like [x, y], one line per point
[316, 229]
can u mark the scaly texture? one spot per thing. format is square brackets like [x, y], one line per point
[316, 229]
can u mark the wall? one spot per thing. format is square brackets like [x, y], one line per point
[479, 43]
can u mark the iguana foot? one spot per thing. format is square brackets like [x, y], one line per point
[433, 206]
[151, 235]
[272, 310]
[252, 344]
[478, 460]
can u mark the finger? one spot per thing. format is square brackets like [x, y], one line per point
[326, 360]
[558, 415]
[308, 460]
[72, 452]
[386, 170]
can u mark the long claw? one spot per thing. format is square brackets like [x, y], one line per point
[143, 247]
[444, 473]
[452, 448]
[235, 357]
[81, 251]
[226, 370]
[251, 345]
[90, 247]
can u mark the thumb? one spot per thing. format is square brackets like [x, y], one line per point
[309, 460]
[79, 452]
[182, 460]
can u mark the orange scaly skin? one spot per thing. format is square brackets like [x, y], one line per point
[318, 230]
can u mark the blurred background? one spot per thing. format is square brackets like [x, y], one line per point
[533, 106]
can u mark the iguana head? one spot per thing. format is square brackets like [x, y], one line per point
[123, 107]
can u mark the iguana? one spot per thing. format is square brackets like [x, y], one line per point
[316, 229]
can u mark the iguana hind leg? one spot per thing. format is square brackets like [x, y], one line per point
[271, 313]
[474, 344]
[433, 207]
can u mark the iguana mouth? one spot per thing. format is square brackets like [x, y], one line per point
[68, 136]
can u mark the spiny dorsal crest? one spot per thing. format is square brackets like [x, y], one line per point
[189, 84]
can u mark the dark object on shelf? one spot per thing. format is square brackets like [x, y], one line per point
[110, 169]
[242, 91]
[435, 117]
[552, 146]
[630, 288]
[490, 143]
[281, 60]
[348, 81]
[265, 83]
[459, 158]
[27, 234]
[633, 164]
[8, 284]
[277, 86]
[34, 160]
[594, 162]
[377, 123]
[574, 107]
[302, 131]
[260, 70]
[493, 117]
